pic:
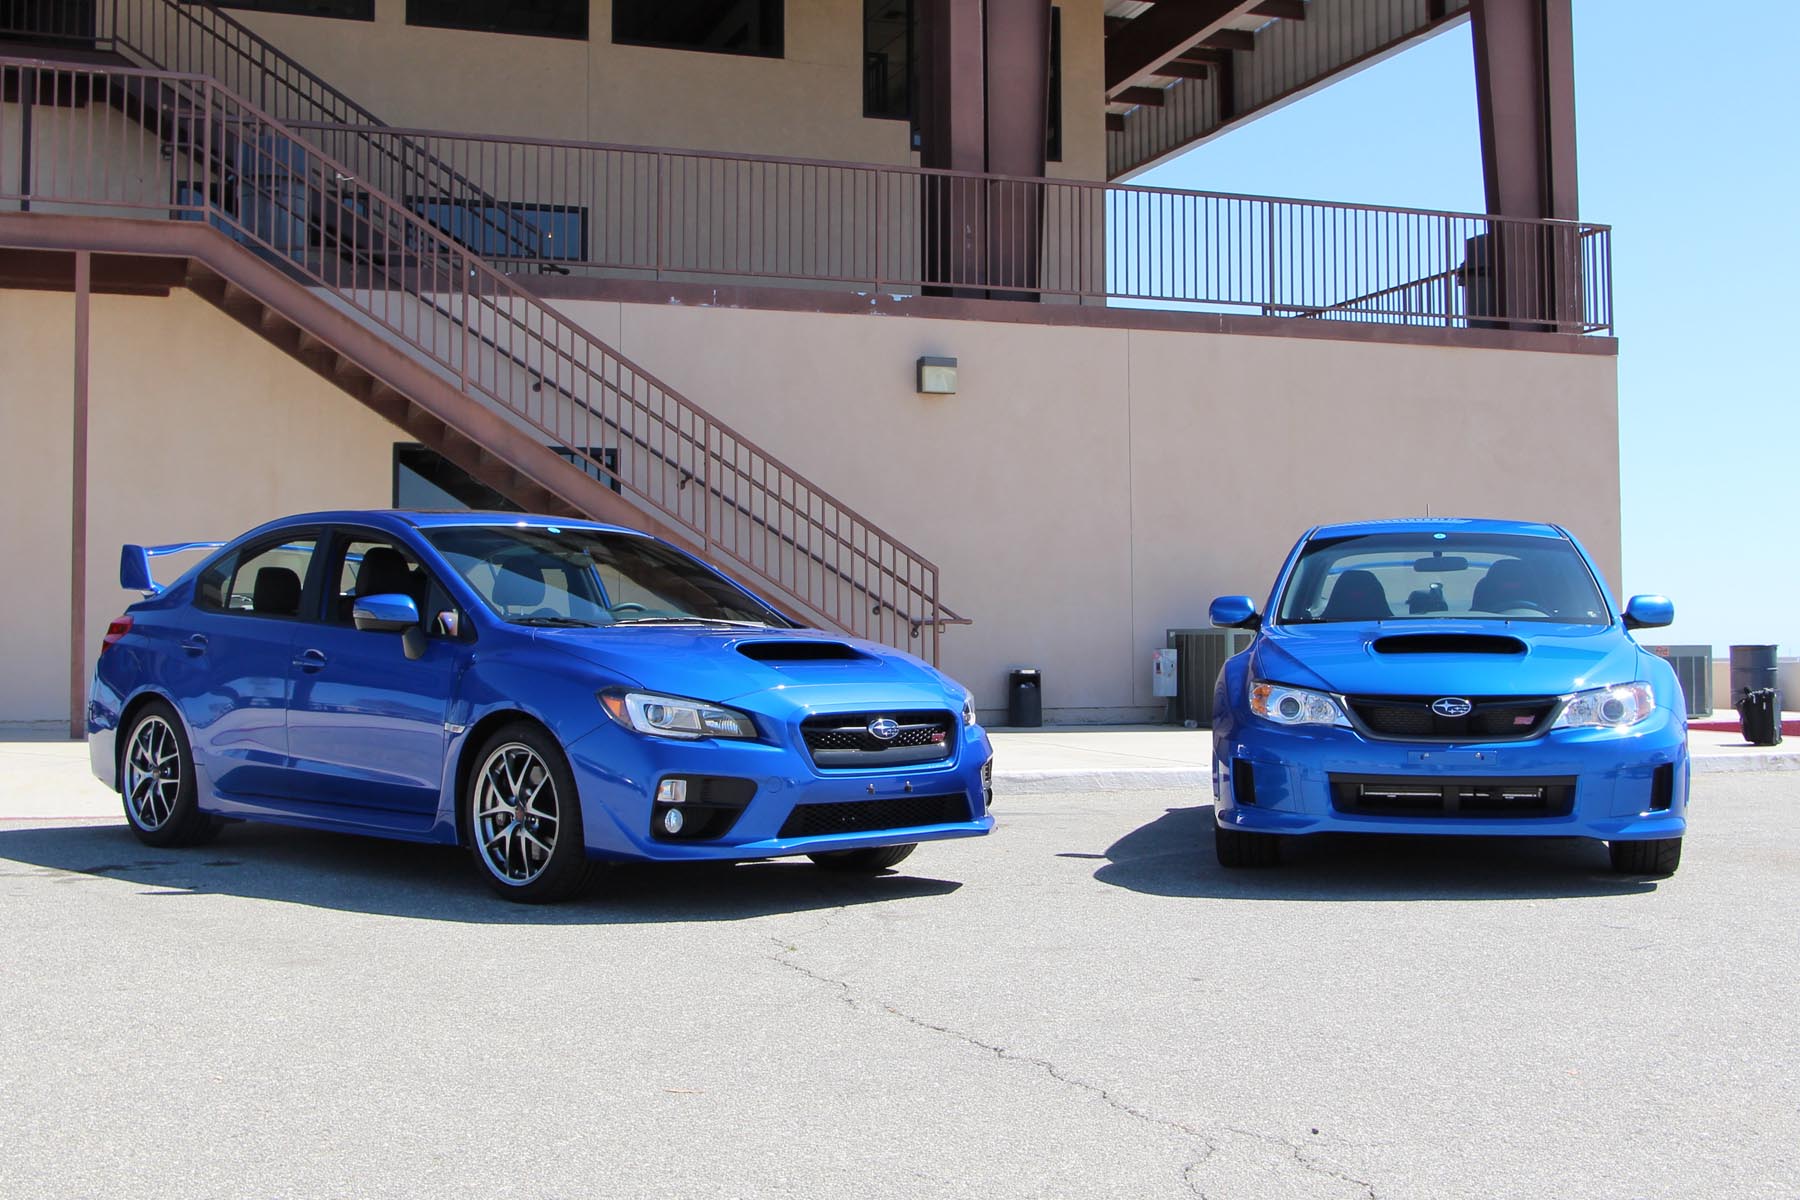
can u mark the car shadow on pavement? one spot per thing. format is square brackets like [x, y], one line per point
[1173, 856]
[437, 883]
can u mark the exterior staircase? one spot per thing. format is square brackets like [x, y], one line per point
[305, 251]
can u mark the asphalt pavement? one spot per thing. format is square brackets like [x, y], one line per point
[1081, 1005]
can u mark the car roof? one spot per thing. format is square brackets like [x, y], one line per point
[1440, 525]
[442, 518]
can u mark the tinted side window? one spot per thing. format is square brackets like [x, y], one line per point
[372, 566]
[266, 580]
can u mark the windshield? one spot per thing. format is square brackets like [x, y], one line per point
[586, 577]
[1441, 576]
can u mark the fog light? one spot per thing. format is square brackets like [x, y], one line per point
[672, 821]
[672, 791]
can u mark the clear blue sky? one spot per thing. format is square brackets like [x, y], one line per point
[1691, 154]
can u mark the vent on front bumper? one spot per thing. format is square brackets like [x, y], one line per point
[1432, 796]
[845, 740]
[866, 816]
[1491, 719]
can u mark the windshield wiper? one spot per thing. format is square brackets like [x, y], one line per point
[571, 622]
[694, 621]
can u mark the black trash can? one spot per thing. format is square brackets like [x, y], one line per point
[1752, 670]
[1024, 699]
[1759, 713]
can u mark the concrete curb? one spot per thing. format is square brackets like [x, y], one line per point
[1108, 779]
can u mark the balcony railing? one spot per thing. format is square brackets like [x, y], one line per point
[537, 204]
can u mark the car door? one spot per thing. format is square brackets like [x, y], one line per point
[365, 722]
[233, 660]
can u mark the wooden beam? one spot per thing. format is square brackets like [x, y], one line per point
[1115, 122]
[1281, 10]
[1164, 33]
[1229, 39]
[1182, 69]
[1151, 96]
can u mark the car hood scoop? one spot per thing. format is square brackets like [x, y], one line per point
[796, 651]
[1448, 643]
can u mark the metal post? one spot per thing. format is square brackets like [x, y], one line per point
[27, 93]
[78, 508]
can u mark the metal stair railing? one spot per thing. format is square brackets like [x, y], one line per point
[742, 508]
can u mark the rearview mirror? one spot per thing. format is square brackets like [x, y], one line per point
[1435, 563]
[1235, 612]
[1648, 612]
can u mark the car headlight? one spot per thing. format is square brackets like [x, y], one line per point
[968, 711]
[1607, 707]
[1294, 706]
[674, 717]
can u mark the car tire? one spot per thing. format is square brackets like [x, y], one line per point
[157, 783]
[1657, 858]
[522, 814]
[1242, 848]
[864, 862]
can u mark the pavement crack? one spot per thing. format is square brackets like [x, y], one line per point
[1209, 1140]
[847, 996]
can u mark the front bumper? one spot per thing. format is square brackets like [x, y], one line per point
[617, 773]
[1614, 776]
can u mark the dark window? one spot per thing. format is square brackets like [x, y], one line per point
[888, 58]
[47, 20]
[1053, 111]
[267, 580]
[719, 26]
[426, 480]
[536, 18]
[533, 232]
[348, 10]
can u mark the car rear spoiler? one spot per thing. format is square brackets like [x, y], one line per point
[134, 563]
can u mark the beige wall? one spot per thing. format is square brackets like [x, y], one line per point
[806, 104]
[1089, 488]
[1085, 490]
[198, 431]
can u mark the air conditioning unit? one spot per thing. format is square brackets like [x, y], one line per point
[1200, 656]
[1693, 667]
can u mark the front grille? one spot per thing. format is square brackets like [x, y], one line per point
[864, 816]
[1492, 719]
[844, 740]
[1433, 796]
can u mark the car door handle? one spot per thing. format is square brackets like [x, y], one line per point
[195, 643]
[310, 660]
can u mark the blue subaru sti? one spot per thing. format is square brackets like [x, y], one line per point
[1440, 676]
[546, 692]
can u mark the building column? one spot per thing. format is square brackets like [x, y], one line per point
[1018, 97]
[78, 506]
[983, 88]
[1525, 95]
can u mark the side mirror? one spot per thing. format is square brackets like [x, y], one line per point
[385, 614]
[1235, 612]
[1648, 612]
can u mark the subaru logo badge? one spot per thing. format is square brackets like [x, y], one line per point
[884, 729]
[1451, 706]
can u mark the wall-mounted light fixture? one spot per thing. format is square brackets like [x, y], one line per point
[937, 376]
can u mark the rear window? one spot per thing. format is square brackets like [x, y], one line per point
[1429, 576]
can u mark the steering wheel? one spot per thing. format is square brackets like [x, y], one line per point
[629, 606]
[1526, 606]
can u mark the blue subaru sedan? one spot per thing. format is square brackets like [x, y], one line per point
[549, 693]
[1442, 676]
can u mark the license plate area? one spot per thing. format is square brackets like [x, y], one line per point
[1452, 798]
